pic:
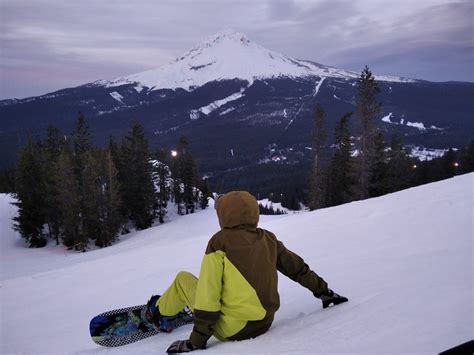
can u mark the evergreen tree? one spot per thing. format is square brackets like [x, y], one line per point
[82, 145]
[189, 178]
[379, 178]
[138, 191]
[176, 188]
[318, 141]
[52, 151]
[68, 199]
[367, 109]
[84, 164]
[110, 206]
[399, 168]
[92, 200]
[338, 178]
[162, 178]
[116, 155]
[186, 178]
[30, 193]
[205, 195]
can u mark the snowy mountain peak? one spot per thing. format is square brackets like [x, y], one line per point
[225, 35]
[229, 55]
[223, 38]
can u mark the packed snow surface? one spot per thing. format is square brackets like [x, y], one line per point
[404, 260]
[231, 55]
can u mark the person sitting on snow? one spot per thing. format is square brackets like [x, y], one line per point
[236, 295]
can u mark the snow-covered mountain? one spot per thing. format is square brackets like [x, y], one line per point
[230, 55]
[404, 260]
[242, 106]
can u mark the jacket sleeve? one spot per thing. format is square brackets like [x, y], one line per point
[208, 297]
[294, 267]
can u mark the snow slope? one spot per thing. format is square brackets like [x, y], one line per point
[404, 260]
[229, 55]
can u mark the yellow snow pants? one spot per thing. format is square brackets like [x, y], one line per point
[180, 294]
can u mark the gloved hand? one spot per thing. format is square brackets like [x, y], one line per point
[180, 346]
[331, 298]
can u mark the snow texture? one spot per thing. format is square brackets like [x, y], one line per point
[404, 260]
[423, 154]
[117, 96]
[418, 125]
[318, 86]
[387, 118]
[206, 110]
[230, 55]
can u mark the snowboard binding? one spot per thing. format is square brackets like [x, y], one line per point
[153, 315]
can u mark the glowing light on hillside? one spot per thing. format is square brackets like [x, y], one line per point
[174, 153]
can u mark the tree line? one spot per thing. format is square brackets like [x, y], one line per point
[270, 210]
[366, 165]
[75, 193]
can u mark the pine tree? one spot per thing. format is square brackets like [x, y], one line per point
[186, 178]
[379, 178]
[138, 191]
[189, 178]
[82, 145]
[318, 141]
[84, 165]
[68, 199]
[110, 206]
[52, 151]
[338, 177]
[117, 159]
[367, 109]
[162, 178]
[205, 195]
[92, 200]
[399, 167]
[30, 195]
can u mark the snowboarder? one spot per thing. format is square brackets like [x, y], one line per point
[236, 296]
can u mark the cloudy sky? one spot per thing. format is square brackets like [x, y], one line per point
[46, 45]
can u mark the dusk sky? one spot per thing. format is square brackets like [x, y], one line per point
[47, 45]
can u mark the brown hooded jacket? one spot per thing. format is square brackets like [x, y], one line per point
[237, 292]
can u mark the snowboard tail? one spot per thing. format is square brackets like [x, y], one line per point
[128, 325]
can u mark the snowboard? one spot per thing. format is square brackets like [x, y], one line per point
[128, 325]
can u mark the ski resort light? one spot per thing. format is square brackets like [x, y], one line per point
[414, 166]
[174, 153]
[456, 164]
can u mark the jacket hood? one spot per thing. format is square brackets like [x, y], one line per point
[237, 208]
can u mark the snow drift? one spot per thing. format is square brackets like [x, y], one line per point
[404, 260]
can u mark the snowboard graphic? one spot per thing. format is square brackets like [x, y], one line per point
[128, 325]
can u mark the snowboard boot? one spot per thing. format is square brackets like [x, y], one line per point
[153, 315]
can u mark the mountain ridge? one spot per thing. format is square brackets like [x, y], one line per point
[229, 55]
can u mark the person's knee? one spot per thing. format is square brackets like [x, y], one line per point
[184, 276]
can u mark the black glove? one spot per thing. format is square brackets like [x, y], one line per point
[180, 346]
[331, 297]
